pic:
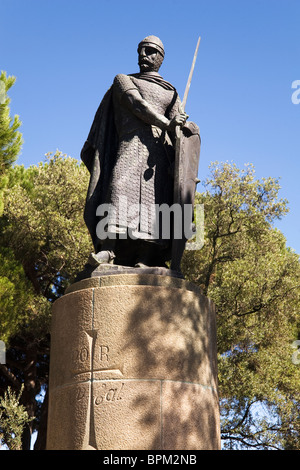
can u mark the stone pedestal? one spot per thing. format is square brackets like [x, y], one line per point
[133, 366]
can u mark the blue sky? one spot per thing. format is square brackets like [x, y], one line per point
[65, 54]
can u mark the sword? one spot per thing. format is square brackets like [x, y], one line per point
[176, 246]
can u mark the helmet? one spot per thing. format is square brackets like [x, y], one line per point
[152, 41]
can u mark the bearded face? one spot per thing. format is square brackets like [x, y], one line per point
[150, 59]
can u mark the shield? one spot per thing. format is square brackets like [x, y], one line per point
[187, 155]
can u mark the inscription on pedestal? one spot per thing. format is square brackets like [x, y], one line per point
[83, 354]
[110, 395]
[93, 357]
[103, 354]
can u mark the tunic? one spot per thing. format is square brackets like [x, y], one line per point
[141, 179]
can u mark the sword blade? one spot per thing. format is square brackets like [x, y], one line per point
[187, 88]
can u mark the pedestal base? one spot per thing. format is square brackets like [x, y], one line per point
[133, 366]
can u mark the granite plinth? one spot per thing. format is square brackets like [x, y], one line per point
[133, 366]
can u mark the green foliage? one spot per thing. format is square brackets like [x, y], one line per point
[13, 418]
[10, 137]
[15, 295]
[43, 222]
[253, 278]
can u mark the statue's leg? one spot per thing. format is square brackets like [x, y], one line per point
[149, 254]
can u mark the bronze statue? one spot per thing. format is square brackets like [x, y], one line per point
[130, 152]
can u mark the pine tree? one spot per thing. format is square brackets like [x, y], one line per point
[10, 137]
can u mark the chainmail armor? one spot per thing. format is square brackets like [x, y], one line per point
[141, 174]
